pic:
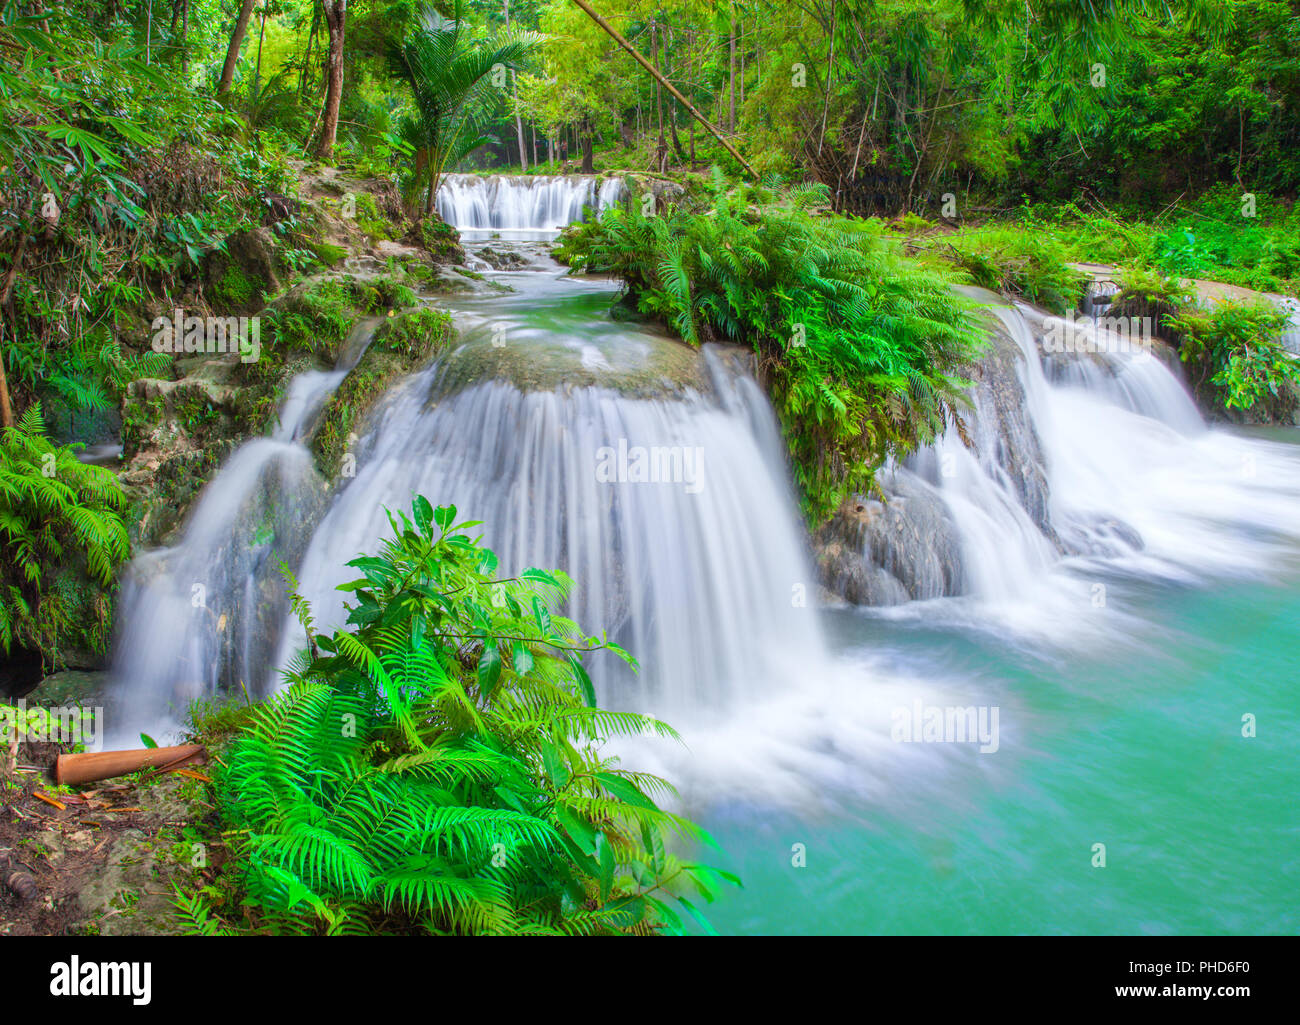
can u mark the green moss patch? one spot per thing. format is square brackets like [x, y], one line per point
[402, 344]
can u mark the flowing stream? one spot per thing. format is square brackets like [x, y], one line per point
[1108, 583]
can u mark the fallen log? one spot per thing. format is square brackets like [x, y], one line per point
[91, 766]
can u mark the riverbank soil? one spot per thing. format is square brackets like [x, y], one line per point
[107, 861]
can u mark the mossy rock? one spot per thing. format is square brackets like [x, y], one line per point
[70, 687]
[238, 278]
[157, 516]
[402, 344]
[369, 219]
[439, 239]
[328, 254]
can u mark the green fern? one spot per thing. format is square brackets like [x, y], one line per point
[55, 511]
[434, 765]
[859, 345]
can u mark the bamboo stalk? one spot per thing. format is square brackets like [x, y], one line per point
[91, 766]
[618, 38]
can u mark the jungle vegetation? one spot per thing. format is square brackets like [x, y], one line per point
[888, 149]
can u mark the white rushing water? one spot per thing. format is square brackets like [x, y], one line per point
[523, 204]
[1138, 484]
[701, 575]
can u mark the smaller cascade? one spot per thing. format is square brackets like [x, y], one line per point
[1119, 359]
[201, 617]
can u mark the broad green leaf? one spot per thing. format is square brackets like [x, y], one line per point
[542, 615]
[584, 681]
[605, 854]
[444, 516]
[489, 668]
[698, 915]
[523, 658]
[625, 790]
[423, 512]
[555, 765]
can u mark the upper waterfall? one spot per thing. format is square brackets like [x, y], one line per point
[529, 204]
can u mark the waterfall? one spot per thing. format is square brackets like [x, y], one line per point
[656, 477]
[700, 573]
[525, 204]
[1087, 459]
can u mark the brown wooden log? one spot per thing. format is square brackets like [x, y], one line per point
[88, 767]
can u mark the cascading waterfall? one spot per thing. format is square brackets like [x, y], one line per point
[1130, 475]
[536, 204]
[698, 573]
[1080, 464]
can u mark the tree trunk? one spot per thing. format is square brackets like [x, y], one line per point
[731, 75]
[830, 71]
[335, 15]
[514, 96]
[236, 41]
[659, 96]
[672, 103]
[261, 38]
[741, 80]
[6, 410]
[306, 61]
[6, 304]
[588, 157]
[672, 125]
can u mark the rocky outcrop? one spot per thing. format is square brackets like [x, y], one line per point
[902, 547]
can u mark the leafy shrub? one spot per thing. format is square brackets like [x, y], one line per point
[1233, 347]
[1024, 262]
[859, 344]
[434, 765]
[1215, 239]
[118, 180]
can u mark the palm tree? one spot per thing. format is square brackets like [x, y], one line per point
[451, 79]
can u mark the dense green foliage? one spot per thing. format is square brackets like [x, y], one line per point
[435, 765]
[119, 182]
[1232, 347]
[55, 512]
[860, 345]
[1030, 264]
[451, 82]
